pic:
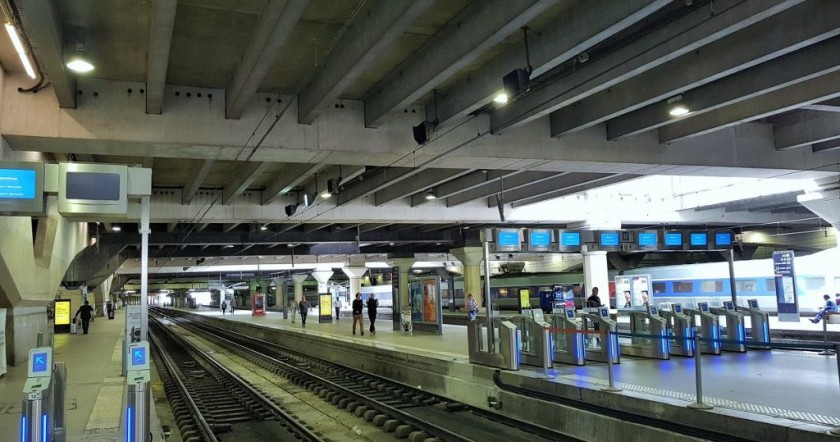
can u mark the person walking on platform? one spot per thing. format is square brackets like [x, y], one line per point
[337, 308]
[358, 306]
[472, 307]
[293, 309]
[372, 305]
[85, 311]
[304, 310]
[829, 307]
[224, 307]
[593, 300]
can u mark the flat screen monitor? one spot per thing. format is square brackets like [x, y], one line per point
[653, 310]
[608, 240]
[138, 356]
[21, 188]
[570, 313]
[92, 189]
[677, 308]
[40, 362]
[704, 306]
[508, 240]
[723, 240]
[539, 240]
[605, 312]
[728, 305]
[698, 240]
[672, 240]
[646, 239]
[753, 303]
[569, 240]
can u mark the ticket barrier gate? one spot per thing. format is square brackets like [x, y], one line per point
[656, 344]
[709, 330]
[733, 335]
[506, 336]
[138, 400]
[759, 325]
[597, 349]
[569, 337]
[42, 407]
[536, 347]
[681, 329]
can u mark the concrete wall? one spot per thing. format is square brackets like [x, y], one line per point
[22, 327]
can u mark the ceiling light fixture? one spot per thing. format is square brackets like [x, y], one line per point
[77, 61]
[264, 227]
[676, 107]
[430, 194]
[116, 229]
[18, 44]
[501, 98]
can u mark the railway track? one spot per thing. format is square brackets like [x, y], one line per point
[408, 412]
[210, 403]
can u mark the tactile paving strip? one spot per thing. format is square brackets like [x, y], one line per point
[715, 402]
[107, 409]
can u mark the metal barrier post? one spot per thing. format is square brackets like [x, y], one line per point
[698, 376]
[609, 343]
[138, 409]
[826, 351]
[836, 430]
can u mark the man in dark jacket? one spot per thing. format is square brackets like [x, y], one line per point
[358, 306]
[304, 307]
[86, 311]
[372, 305]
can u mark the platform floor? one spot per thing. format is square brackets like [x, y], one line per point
[802, 386]
[95, 391]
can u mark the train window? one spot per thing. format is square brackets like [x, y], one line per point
[711, 286]
[746, 285]
[659, 287]
[816, 283]
[683, 286]
[770, 285]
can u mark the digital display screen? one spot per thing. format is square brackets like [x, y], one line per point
[728, 305]
[609, 239]
[507, 238]
[138, 356]
[703, 306]
[677, 308]
[18, 184]
[62, 313]
[646, 239]
[605, 312]
[753, 303]
[570, 314]
[539, 239]
[723, 239]
[570, 239]
[699, 239]
[40, 362]
[653, 311]
[673, 239]
[92, 186]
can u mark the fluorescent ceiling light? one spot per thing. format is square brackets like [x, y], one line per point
[679, 110]
[76, 64]
[263, 228]
[24, 57]
[116, 229]
[430, 194]
[326, 194]
[501, 98]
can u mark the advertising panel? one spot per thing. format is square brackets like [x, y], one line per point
[786, 296]
[325, 307]
[524, 299]
[133, 330]
[63, 312]
[641, 290]
[426, 312]
[623, 294]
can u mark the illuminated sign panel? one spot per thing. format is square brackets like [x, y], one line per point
[539, 240]
[508, 240]
[18, 184]
[21, 188]
[698, 240]
[608, 239]
[723, 239]
[646, 239]
[673, 239]
[62, 312]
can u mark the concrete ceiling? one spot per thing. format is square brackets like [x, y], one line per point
[242, 107]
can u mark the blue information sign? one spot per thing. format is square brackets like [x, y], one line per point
[40, 363]
[786, 296]
[699, 239]
[507, 240]
[646, 239]
[539, 240]
[723, 239]
[673, 239]
[17, 184]
[609, 239]
[138, 356]
[570, 239]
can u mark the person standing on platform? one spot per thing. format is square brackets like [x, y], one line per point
[594, 301]
[829, 307]
[224, 307]
[337, 308]
[372, 305]
[85, 311]
[109, 308]
[472, 307]
[293, 309]
[304, 310]
[358, 306]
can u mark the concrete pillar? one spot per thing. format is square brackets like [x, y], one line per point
[401, 299]
[595, 274]
[471, 258]
[323, 278]
[355, 274]
[298, 279]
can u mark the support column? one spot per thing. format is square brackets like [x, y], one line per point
[595, 274]
[323, 278]
[471, 258]
[355, 274]
[400, 300]
[298, 279]
[144, 267]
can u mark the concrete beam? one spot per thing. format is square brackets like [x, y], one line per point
[148, 162]
[614, 179]
[463, 184]
[806, 127]
[826, 106]
[41, 23]
[552, 184]
[198, 176]
[826, 146]
[201, 227]
[230, 227]
[418, 183]
[171, 226]
[363, 228]
[378, 26]
[805, 64]
[381, 180]
[575, 31]
[503, 185]
[163, 23]
[670, 41]
[246, 175]
[477, 28]
[290, 176]
[272, 30]
[774, 103]
[816, 20]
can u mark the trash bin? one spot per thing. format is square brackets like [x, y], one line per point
[405, 321]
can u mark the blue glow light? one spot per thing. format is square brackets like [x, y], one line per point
[663, 343]
[129, 432]
[23, 429]
[716, 335]
[44, 427]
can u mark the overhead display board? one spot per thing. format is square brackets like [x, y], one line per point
[698, 240]
[92, 189]
[672, 240]
[569, 240]
[723, 239]
[508, 240]
[647, 239]
[572, 241]
[609, 240]
[540, 240]
[21, 188]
